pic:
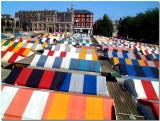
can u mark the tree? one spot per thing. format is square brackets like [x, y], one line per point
[103, 26]
[144, 27]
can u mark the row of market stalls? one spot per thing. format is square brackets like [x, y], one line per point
[138, 63]
[66, 76]
[59, 80]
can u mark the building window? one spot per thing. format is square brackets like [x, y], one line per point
[82, 24]
[78, 24]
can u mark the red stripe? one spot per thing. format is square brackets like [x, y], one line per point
[20, 51]
[156, 63]
[46, 79]
[149, 90]
[23, 76]
[146, 52]
[63, 54]
[3, 53]
[10, 48]
[13, 58]
[145, 62]
[50, 53]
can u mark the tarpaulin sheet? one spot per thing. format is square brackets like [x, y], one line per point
[61, 81]
[42, 105]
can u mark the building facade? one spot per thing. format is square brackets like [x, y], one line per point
[83, 21]
[49, 20]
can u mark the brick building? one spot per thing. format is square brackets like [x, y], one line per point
[83, 21]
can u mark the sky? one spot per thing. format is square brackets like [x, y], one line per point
[114, 9]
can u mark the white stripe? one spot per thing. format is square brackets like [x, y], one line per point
[102, 86]
[29, 45]
[7, 56]
[73, 50]
[35, 106]
[53, 47]
[19, 58]
[138, 88]
[56, 53]
[76, 83]
[45, 52]
[65, 63]
[154, 56]
[16, 40]
[49, 62]
[44, 39]
[3, 48]
[7, 94]
[151, 64]
[35, 60]
[88, 56]
[155, 85]
[24, 41]
[62, 48]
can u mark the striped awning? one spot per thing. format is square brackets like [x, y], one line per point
[36, 105]
[135, 62]
[61, 81]
[81, 55]
[143, 89]
[65, 63]
[135, 70]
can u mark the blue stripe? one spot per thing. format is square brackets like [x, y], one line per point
[135, 62]
[122, 60]
[125, 55]
[90, 84]
[42, 60]
[66, 83]
[83, 65]
[57, 62]
[148, 72]
[131, 70]
[74, 63]
[114, 54]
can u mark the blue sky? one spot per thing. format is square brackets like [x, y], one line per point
[113, 9]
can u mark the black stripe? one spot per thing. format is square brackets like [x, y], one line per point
[57, 80]
[35, 77]
[139, 71]
[13, 76]
[122, 69]
[155, 71]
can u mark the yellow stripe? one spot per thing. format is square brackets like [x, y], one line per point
[94, 57]
[19, 44]
[59, 107]
[128, 61]
[37, 41]
[16, 49]
[141, 62]
[115, 60]
[44, 44]
[11, 43]
[3, 41]
[26, 51]
[94, 109]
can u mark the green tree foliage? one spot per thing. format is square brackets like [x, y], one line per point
[144, 27]
[103, 27]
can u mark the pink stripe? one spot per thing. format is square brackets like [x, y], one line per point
[76, 109]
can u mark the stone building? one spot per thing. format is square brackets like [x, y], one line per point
[50, 20]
